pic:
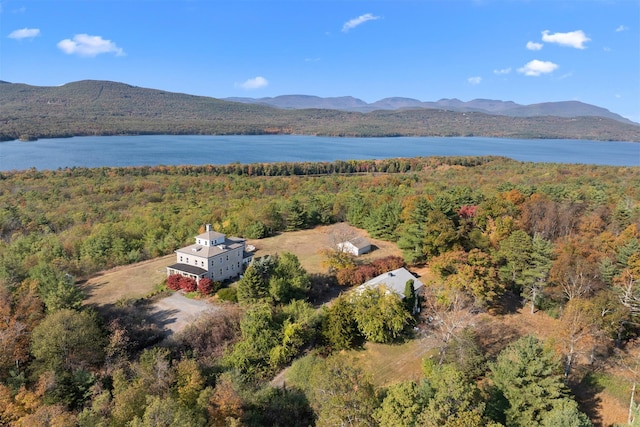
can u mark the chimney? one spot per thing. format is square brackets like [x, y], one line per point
[207, 227]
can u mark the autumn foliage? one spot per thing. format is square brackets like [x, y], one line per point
[173, 282]
[188, 284]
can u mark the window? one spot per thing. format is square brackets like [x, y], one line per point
[187, 261]
[180, 258]
[227, 257]
[221, 272]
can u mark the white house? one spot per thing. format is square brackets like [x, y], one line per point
[214, 256]
[357, 246]
[395, 281]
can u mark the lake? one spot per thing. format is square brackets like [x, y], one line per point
[98, 151]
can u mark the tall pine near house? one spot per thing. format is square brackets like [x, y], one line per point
[410, 301]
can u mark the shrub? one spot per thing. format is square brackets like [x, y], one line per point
[388, 263]
[207, 286]
[188, 284]
[228, 294]
[173, 282]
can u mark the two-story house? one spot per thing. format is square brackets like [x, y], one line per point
[213, 255]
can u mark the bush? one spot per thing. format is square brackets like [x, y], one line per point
[188, 284]
[228, 294]
[173, 282]
[207, 286]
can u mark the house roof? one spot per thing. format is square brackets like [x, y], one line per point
[360, 242]
[394, 280]
[210, 251]
[210, 235]
[191, 269]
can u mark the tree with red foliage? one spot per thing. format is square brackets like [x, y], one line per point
[173, 282]
[206, 286]
[468, 211]
[386, 264]
[188, 284]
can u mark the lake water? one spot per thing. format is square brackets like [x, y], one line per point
[97, 151]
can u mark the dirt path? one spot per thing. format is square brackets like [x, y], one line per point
[175, 312]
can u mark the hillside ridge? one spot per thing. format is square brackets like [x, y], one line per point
[94, 107]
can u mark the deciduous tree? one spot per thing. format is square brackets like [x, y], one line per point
[380, 314]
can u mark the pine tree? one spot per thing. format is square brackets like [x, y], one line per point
[252, 286]
[529, 376]
[534, 278]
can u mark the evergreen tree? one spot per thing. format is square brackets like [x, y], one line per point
[383, 221]
[339, 328]
[252, 287]
[412, 235]
[440, 234]
[534, 277]
[456, 401]
[529, 376]
[296, 217]
[515, 254]
[410, 298]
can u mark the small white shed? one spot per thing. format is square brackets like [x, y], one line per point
[357, 246]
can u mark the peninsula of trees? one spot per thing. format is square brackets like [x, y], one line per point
[107, 108]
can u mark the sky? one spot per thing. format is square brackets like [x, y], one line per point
[526, 51]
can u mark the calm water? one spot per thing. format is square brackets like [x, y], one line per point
[180, 150]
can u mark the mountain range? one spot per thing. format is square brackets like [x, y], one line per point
[93, 107]
[488, 106]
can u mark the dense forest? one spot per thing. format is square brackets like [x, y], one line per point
[560, 240]
[108, 108]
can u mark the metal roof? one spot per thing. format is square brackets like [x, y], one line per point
[393, 280]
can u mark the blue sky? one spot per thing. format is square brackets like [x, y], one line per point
[526, 51]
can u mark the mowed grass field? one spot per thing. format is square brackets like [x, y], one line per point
[128, 281]
[140, 279]
[308, 245]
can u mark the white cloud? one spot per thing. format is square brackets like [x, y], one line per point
[90, 46]
[534, 46]
[357, 21]
[536, 67]
[575, 39]
[502, 71]
[622, 28]
[474, 80]
[255, 83]
[24, 33]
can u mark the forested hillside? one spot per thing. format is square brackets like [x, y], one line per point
[108, 108]
[561, 240]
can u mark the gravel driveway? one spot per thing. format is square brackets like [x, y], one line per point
[175, 312]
